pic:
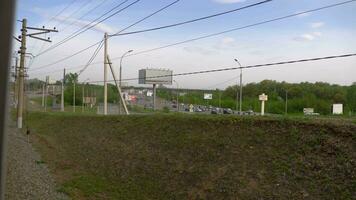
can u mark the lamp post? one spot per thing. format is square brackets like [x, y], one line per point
[83, 96]
[177, 95]
[120, 77]
[240, 84]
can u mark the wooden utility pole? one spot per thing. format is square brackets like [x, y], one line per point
[21, 72]
[105, 74]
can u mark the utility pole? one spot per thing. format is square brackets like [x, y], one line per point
[154, 97]
[21, 73]
[83, 98]
[240, 85]
[62, 95]
[241, 91]
[177, 96]
[286, 106]
[46, 93]
[43, 95]
[105, 74]
[73, 95]
[16, 81]
[22, 52]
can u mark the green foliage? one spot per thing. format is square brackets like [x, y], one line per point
[319, 96]
[176, 156]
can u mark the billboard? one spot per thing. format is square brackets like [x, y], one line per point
[208, 96]
[155, 76]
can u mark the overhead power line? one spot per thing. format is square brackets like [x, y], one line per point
[74, 12]
[218, 33]
[193, 20]
[232, 30]
[236, 29]
[90, 25]
[85, 14]
[243, 67]
[137, 22]
[97, 50]
[61, 11]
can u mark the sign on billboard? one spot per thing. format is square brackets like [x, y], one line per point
[208, 96]
[155, 76]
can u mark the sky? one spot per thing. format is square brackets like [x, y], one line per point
[322, 33]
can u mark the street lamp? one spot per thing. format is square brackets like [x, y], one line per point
[177, 95]
[240, 85]
[120, 78]
[122, 57]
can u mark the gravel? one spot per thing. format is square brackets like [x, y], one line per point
[27, 176]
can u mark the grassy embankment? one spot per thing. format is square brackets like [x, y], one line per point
[197, 157]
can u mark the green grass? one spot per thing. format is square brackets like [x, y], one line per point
[176, 156]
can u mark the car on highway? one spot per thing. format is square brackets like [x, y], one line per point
[227, 111]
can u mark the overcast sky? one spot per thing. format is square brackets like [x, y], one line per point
[323, 33]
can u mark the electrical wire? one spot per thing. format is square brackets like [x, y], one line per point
[137, 22]
[210, 35]
[84, 15]
[90, 25]
[243, 67]
[74, 12]
[60, 12]
[92, 58]
[232, 30]
[193, 20]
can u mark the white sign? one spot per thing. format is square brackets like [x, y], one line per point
[263, 97]
[149, 93]
[208, 96]
[337, 109]
[308, 111]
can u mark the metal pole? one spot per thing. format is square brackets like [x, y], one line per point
[16, 81]
[46, 96]
[219, 99]
[241, 91]
[237, 97]
[21, 74]
[73, 95]
[177, 96]
[62, 95]
[83, 98]
[105, 74]
[286, 107]
[154, 97]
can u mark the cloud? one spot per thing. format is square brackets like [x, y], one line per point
[224, 43]
[308, 37]
[228, 1]
[199, 50]
[317, 24]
